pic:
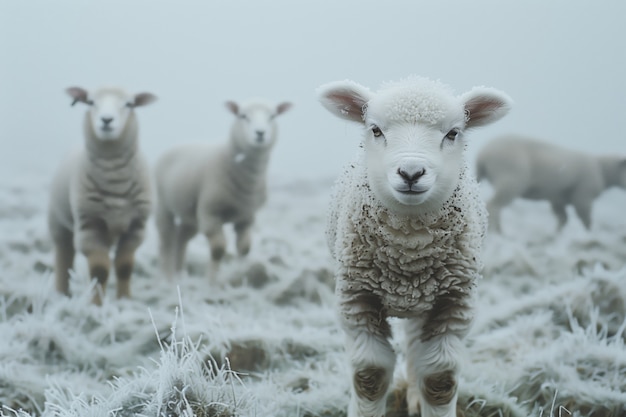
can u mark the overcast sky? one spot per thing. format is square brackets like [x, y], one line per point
[562, 61]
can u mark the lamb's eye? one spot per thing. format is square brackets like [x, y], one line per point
[451, 135]
[89, 102]
[130, 105]
[243, 116]
[376, 131]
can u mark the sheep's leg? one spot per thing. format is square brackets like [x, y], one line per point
[494, 208]
[167, 243]
[125, 256]
[244, 239]
[64, 253]
[413, 330]
[372, 358]
[503, 196]
[560, 213]
[99, 265]
[583, 210]
[213, 229]
[433, 348]
[94, 243]
[217, 242]
[184, 233]
[433, 369]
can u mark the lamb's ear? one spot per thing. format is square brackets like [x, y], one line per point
[345, 99]
[143, 99]
[78, 94]
[283, 107]
[233, 107]
[485, 105]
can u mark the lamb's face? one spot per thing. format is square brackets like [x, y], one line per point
[109, 113]
[109, 109]
[413, 141]
[414, 163]
[255, 124]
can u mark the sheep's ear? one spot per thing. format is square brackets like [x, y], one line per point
[78, 94]
[485, 105]
[283, 107]
[233, 107]
[345, 99]
[143, 99]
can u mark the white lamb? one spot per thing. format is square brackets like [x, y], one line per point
[201, 187]
[520, 167]
[406, 228]
[100, 196]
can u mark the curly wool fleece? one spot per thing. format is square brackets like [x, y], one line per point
[414, 99]
[407, 261]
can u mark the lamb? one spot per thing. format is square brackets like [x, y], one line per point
[405, 228]
[202, 187]
[100, 196]
[521, 167]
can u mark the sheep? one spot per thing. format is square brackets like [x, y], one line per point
[202, 187]
[100, 195]
[405, 229]
[521, 167]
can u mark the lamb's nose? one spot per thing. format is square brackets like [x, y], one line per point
[106, 120]
[259, 135]
[411, 178]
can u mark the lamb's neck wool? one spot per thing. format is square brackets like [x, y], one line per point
[245, 173]
[408, 261]
[114, 177]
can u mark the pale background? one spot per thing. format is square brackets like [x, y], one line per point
[562, 61]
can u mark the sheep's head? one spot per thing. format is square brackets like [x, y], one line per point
[414, 135]
[109, 109]
[255, 123]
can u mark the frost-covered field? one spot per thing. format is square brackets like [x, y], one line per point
[548, 337]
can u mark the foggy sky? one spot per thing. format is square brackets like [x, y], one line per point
[563, 62]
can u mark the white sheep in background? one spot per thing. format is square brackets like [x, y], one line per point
[201, 187]
[100, 196]
[406, 227]
[519, 167]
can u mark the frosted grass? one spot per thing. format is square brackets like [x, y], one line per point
[548, 335]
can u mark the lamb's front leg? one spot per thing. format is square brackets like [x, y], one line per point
[434, 346]
[244, 240]
[93, 241]
[372, 358]
[125, 256]
[166, 226]
[64, 252]
[213, 229]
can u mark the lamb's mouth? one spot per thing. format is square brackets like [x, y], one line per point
[412, 192]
